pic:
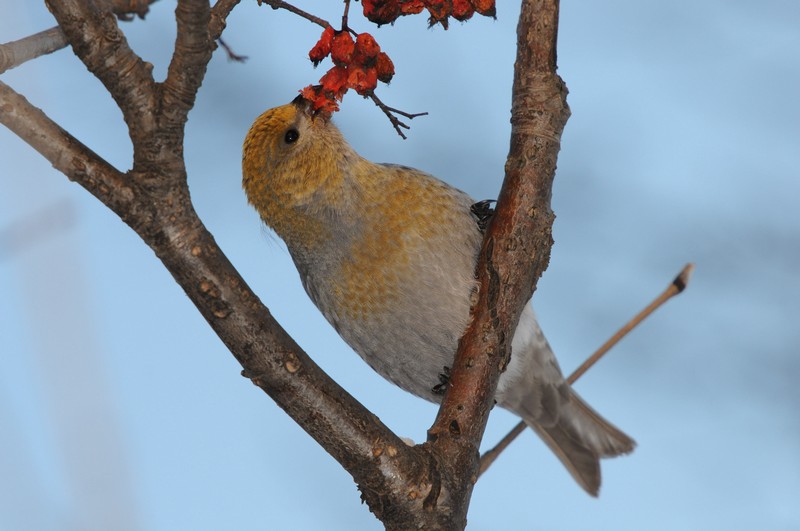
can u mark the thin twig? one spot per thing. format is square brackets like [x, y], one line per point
[13, 54]
[490, 455]
[279, 4]
[677, 286]
[390, 113]
[231, 54]
[344, 17]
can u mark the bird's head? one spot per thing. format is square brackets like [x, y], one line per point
[295, 164]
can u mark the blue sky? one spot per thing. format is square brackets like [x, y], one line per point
[119, 409]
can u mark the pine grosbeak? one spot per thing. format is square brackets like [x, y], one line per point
[388, 253]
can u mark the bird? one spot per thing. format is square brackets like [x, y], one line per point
[387, 253]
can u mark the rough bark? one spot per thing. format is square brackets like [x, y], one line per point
[516, 250]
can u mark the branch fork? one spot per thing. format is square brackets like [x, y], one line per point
[427, 486]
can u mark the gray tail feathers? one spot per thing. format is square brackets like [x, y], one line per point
[580, 437]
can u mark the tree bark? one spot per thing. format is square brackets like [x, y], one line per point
[516, 251]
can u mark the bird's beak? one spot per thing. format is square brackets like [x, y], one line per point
[304, 106]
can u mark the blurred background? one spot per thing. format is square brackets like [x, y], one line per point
[119, 409]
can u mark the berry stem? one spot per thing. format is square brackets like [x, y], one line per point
[280, 4]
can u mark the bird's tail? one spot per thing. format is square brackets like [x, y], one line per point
[580, 437]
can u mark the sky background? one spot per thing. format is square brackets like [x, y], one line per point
[120, 409]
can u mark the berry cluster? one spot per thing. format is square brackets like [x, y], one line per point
[357, 64]
[387, 11]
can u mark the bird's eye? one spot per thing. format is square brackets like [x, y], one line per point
[291, 136]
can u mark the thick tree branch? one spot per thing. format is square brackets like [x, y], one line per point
[393, 478]
[386, 469]
[66, 153]
[193, 47]
[91, 28]
[378, 460]
[516, 250]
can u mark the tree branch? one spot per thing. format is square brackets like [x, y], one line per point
[66, 153]
[193, 48]
[516, 250]
[390, 113]
[92, 30]
[676, 287]
[280, 4]
[386, 469]
[393, 478]
[13, 54]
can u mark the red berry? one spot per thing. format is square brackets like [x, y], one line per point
[384, 68]
[323, 47]
[342, 48]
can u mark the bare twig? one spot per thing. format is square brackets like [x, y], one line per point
[677, 286]
[490, 455]
[232, 56]
[344, 16]
[13, 54]
[280, 4]
[390, 113]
